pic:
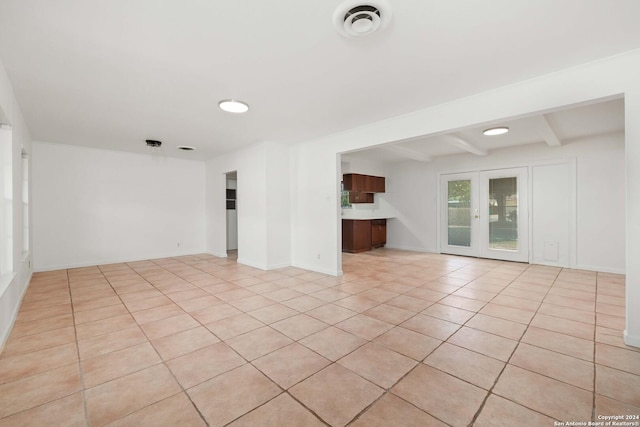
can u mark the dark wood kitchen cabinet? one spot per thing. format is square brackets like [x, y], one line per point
[363, 183]
[361, 187]
[360, 197]
[378, 233]
[353, 182]
[378, 184]
[360, 235]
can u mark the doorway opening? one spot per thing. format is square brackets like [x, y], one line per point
[231, 195]
[568, 206]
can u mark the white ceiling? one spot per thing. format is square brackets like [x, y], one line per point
[113, 73]
[553, 128]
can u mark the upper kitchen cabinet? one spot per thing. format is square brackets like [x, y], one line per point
[354, 182]
[360, 197]
[378, 184]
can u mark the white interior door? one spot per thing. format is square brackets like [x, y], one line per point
[485, 214]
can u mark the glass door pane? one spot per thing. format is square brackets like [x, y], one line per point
[503, 213]
[459, 213]
[504, 228]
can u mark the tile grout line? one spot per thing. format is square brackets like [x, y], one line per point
[495, 382]
[162, 361]
[283, 391]
[80, 370]
[595, 370]
[367, 341]
[250, 362]
[134, 345]
[419, 363]
[489, 392]
[68, 289]
[222, 341]
[519, 342]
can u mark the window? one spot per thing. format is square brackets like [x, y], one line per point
[344, 197]
[6, 201]
[25, 203]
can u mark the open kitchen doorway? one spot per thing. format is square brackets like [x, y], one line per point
[232, 214]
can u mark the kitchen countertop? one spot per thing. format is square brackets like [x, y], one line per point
[367, 217]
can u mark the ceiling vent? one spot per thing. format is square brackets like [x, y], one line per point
[357, 18]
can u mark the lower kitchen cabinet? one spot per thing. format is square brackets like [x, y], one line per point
[359, 235]
[378, 233]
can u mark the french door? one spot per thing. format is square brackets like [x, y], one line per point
[485, 214]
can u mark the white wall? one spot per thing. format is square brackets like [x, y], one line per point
[632, 193]
[412, 192]
[365, 167]
[94, 206]
[278, 205]
[315, 227]
[601, 231]
[316, 240]
[262, 207]
[553, 215]
[14, 285]
[596, 185]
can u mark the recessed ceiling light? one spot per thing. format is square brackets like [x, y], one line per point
[233, 106]
[496, 131]
[186, 148]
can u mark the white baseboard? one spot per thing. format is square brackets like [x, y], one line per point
[252, 264]
[217, 254]
[277, 266]
[632, 340]
[318, 270]
[14, 316]
[599, 269]
[265, 267]
[548, 263]
[92, 263]
[5, 282]
[409, 248]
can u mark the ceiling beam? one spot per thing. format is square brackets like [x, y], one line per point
[407, 152]
[457, 141]
[546, 131]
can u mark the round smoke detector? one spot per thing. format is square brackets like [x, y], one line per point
[358, 18]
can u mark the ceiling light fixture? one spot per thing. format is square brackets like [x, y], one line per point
[186, 148]
[496, 131]
[153, 143]
[233, 106]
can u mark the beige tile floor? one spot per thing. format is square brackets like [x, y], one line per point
[402, 339]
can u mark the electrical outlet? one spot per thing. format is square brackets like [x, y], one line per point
[178, 244]
[318, 256]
